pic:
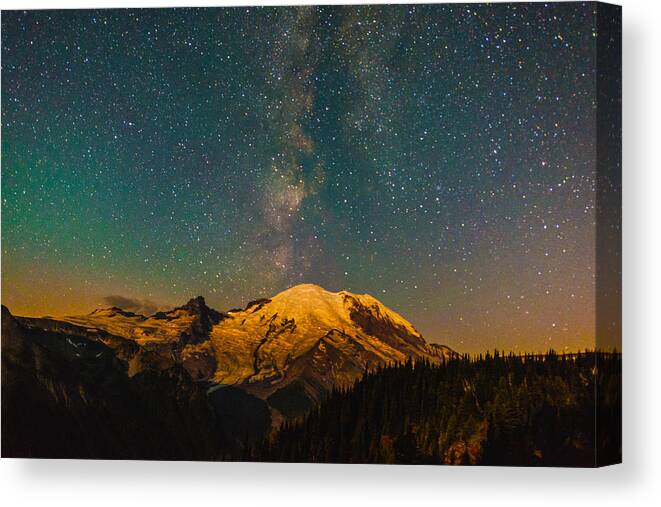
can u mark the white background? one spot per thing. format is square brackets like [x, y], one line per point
[636, 482]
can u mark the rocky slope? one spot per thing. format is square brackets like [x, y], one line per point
[68, 395]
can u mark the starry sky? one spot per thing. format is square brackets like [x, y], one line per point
[438, 157]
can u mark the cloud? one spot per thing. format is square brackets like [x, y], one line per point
[142, 306]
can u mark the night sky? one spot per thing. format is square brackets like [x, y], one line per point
[440, 158]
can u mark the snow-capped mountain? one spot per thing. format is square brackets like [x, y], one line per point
[288, 350]
[314, 338]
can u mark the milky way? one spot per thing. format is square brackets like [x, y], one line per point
[440, 158]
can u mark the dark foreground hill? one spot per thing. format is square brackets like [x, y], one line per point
[545, 410]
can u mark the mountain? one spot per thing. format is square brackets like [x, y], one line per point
[293, 348]
[289, 350]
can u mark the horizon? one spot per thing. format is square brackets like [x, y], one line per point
[146, 308]
[440, 158]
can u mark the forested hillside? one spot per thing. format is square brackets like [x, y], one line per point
[489, 410]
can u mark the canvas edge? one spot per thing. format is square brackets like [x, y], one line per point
[608, 276]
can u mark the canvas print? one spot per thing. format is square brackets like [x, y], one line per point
[382, 234]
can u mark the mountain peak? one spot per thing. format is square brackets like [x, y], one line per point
[196, 305]
[320, 308]
[306, 289]
[204, 319]
[313, 290]
[314, 298]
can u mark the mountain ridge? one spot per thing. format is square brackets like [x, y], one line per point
[298, 344]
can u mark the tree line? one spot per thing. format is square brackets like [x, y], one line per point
[493, 409]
